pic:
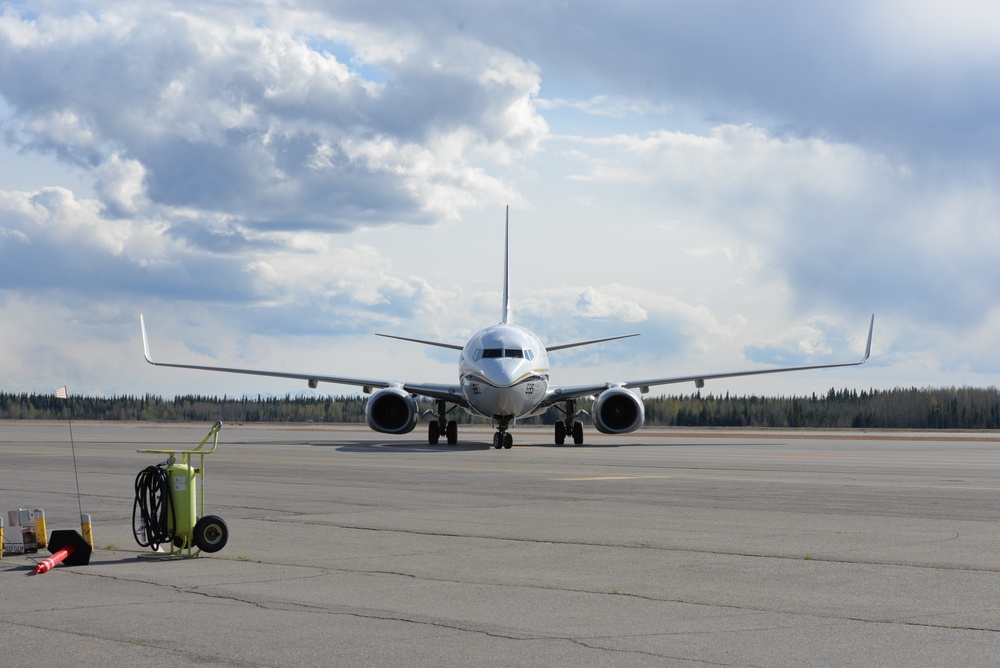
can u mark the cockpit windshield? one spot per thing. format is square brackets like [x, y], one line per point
[497, 353]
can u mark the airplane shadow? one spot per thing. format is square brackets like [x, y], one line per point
[417, 447]
[396, 447]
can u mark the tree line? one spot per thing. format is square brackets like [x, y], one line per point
[912, 408]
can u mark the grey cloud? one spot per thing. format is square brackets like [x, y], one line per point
[850, 70]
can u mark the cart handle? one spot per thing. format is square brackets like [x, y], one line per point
[214, 431]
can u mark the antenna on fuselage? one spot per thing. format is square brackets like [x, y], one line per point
[505, 314]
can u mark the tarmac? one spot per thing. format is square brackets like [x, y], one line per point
[659, 548]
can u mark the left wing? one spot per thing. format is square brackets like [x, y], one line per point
[558, 394]
[452, 393]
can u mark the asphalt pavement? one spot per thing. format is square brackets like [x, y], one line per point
[660, 548]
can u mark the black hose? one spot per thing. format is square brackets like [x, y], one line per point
[152, 501]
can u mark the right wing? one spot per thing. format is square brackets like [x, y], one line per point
[452, 393]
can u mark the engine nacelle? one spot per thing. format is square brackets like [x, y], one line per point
[392, 411]
[618, 411]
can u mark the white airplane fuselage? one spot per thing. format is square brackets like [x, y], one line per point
[504, 372]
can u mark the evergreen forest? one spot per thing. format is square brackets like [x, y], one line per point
[913, 408]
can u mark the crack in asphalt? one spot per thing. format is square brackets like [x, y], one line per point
[293, 606]
[645, 546]
[198, 656]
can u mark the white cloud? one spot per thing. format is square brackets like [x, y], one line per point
[121, 186]
[711, 251]
[593, 304]
[606, 105]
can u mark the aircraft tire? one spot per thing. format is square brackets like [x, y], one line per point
[433, 433]
[560, 432]
[452, 432]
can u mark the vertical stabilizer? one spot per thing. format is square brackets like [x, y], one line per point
[505, 314]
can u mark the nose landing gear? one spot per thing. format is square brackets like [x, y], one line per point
[503, 439]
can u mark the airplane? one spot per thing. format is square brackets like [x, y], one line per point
[503, 376]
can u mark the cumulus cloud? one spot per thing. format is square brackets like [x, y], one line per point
[847, 227]
[220, 111]
[812, 342]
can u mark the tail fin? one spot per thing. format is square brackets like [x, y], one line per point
[505, 314]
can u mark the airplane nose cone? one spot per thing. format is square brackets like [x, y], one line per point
[502, 373]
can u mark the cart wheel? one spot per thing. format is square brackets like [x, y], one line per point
[211, 533]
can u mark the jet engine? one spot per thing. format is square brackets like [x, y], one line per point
[392, 411]
[618, 411]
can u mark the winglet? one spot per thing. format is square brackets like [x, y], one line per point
[145, 341]
[868, 348]
[505, 313]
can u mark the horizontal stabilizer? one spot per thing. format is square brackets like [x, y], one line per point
[563, 346]
[451, 346]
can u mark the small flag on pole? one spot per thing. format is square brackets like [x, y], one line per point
[62, 393]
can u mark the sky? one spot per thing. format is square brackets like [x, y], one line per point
[272, 183]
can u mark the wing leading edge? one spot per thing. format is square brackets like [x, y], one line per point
[564, 393]
[450, 393]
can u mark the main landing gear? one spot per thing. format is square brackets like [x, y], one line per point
[441, 425]
[564, 429]
[571, 427]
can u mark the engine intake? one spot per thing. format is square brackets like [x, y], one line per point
[618, 411]
[392, 411]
